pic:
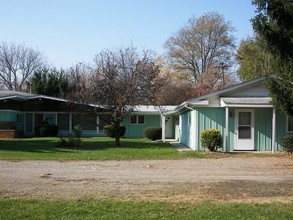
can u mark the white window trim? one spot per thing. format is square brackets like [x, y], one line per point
[189, 119]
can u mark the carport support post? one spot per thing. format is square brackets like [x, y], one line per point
[163, 119]
[273, 130]
[225, 148]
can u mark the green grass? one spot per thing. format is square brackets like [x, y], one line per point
[100, 148]
[113, 209]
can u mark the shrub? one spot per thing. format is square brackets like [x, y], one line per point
[109, 131]
[153, 133]
[77, 131]
[49, 130]
[287, 143]
[69, 142]
[211, 139]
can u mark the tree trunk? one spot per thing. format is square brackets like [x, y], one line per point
[117, 134]
[117, 141]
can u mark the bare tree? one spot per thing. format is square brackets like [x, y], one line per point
[122, 80]
[17, 63]
[201, 45]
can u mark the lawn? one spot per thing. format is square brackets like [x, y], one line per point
[114, 209]
[131, 149]
[100, 148]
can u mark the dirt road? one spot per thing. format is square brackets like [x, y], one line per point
[261, 179]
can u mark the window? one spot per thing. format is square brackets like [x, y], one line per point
[133, 119]
[189, 118]
[137, 119]
[290, 124]
[88, 122]
[140, 119]
[244, 125]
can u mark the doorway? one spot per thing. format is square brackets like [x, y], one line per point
[244, 134]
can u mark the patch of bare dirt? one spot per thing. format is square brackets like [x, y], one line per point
[258, 179]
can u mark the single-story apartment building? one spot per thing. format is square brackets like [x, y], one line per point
[243, 113]
[21, 113]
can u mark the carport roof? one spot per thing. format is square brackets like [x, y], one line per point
[249, 101]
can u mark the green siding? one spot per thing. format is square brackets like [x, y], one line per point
[232, 129]
[7, 116]
[215, 118]
[281, 129]
[263, 129]
[185, 130]
[137, 130]
[209, 118]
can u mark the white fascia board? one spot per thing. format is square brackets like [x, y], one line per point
[145, 113]
[204, 102]
[14, 97]
[246, 106]
[24, 98]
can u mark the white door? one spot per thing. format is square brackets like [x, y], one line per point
[168, 126]
[244, 130]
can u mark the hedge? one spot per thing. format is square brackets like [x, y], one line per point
[153, 133]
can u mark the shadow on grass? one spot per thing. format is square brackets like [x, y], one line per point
[37, 145]
[106, 143]
[45, 145]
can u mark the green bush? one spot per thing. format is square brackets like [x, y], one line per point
[70, 142]
[109, 131]
[287, 143]
[211, 139]
[49, 130]
[153, 133]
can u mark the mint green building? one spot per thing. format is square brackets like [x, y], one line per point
[243, 113]
[22, 113]
[149, 116]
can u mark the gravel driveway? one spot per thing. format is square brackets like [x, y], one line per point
[260, 179]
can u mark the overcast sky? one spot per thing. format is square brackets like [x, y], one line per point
[72, 31]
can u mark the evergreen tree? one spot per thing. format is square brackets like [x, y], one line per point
[274, 22]
[50, 82]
